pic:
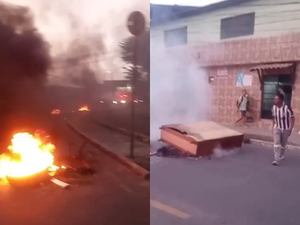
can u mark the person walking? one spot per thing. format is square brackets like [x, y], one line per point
[283, 124]
[242, 107]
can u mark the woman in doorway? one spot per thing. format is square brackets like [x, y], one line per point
[243, 107]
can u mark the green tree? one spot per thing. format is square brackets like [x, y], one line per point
[130, 71]
[142, 51]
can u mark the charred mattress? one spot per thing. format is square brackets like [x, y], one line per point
[201, 138]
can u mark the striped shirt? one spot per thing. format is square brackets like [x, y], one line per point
[282, 117]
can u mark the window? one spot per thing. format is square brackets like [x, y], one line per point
[176, 37]
[237, 26]
[270, 85]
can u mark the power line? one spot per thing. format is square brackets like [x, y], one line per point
[63, 78]
[86, 62]
[95, 54]
[87, 55]
[90, 62]
[116, 53]
[78, 64]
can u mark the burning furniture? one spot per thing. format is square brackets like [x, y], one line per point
[55, 112]
[201, 138]
[84, 109]
[29, 161]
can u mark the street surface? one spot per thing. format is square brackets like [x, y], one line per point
[239, 189]
[112, 140]
[115, 197]
[120, 117]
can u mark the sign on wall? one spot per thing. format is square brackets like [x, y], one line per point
[244, 80]
[247, 81]
[222, 72]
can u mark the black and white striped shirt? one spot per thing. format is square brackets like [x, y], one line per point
[282, 117]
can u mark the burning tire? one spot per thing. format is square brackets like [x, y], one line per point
[29, 181]
[29, 160]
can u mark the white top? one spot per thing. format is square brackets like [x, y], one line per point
[205, 130]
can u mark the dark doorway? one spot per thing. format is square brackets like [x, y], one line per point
[269, 90]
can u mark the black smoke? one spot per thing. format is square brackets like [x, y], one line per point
[24, 62]
[79, 62]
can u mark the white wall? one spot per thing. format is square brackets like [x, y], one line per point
[272, 17]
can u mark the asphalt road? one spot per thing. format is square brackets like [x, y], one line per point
[240, 189]
[115, 196]
[114, 141]
[120, 117]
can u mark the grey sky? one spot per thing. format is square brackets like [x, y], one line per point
[107, 19]
[185, 2]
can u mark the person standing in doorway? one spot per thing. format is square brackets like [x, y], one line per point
[242, 107]
[283, 124]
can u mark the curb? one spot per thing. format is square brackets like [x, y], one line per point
[139, 137]
[133, 167]
[270, 144]
[265, 138]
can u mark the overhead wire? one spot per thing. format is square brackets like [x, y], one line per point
[92, 61]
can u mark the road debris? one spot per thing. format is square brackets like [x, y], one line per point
[59, 183]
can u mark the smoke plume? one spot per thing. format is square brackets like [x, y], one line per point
[24, 55]
[83, 37]
[24, 62]
[78, 60]
[89, 30]
[179, 89]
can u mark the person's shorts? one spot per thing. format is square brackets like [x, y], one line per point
[243, 112]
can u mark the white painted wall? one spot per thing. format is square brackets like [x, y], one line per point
[273, 17]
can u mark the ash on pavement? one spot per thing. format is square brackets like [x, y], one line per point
[239, 189]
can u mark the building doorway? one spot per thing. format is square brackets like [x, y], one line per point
[269, 90]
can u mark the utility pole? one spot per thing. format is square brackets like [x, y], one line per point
[136, 25]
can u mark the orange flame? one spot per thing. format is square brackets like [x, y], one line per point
[28, 155]
[55, 112]
[84, 109]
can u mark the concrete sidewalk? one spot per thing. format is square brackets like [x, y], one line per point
[263, 134]
[116, 142]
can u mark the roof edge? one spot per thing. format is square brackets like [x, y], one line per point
[200, 10]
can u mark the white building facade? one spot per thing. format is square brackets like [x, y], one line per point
[255, 41]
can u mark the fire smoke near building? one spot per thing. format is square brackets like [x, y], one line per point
[180, 92]
[53, 42]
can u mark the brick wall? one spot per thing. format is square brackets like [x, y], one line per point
[226, 93]
[238, 56]
[251, 51]
[296, 97]
[235, 56]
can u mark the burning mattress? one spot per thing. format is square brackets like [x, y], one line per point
[201, 138]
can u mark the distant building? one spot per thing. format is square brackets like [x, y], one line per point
[251, 44]
[109, 88]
